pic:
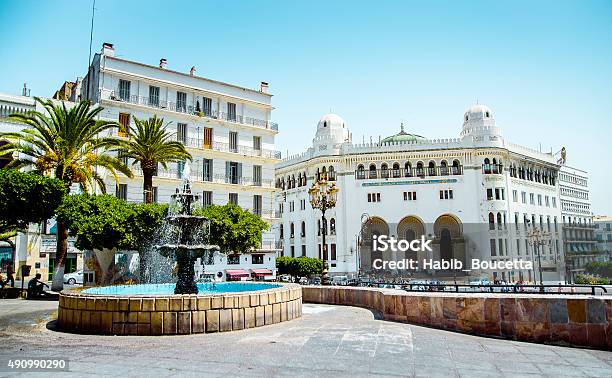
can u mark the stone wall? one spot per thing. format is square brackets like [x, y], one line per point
[577, 320]
[177, 314]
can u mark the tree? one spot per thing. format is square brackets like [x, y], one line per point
[299, 266]
[106, 222]
[68, 145]
[233, 229]
[150, 144]
[603, 269]
[27, 197]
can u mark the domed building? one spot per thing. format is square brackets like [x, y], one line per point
[476, 196]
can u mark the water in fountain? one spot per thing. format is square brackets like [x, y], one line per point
[184, 236]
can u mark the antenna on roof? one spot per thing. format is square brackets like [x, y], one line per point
[93, 12]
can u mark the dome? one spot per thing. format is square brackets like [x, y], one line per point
[331, 121]
[478, 112]
[402, 136]
[332, 129]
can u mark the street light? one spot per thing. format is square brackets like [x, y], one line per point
[539, 238]
[323, 196]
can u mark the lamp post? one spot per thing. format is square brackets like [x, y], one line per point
[539, 238]
[323, 195]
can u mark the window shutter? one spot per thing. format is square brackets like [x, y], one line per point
[239, 172]
[228, 170]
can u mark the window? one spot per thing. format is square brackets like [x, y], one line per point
[446, 194]
[121, 191]
[539, 200]
[531, 199]
[206, 198]
[181, 102]
[491, 221]
[514, 196]
[303, 204]
[122, 155]
[333, 251]
[207, 105]
[554, 202]
[257, 143]
[257, 175]
[233, 259]
[154, 194]
[257, 204]
[303, 229]
[373, 197]
[124, 124]
[208, 138]
[153, 96]
[547, 201]
[233, 141]
[493, 246]
[332, 226]
[181, 132]
[523, 197]
[207, 169]
[292, 251]
[231, 111]
[291, 230]
[124, 89]
[489, 194]
[233, 172]
[233, 198]
[303, 250]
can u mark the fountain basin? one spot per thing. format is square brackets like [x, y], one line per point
[139, 310]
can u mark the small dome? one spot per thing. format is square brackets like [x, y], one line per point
[331, 121]
[478, 112]
[402, 136]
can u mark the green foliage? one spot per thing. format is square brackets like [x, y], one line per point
[587, 279]
[65, 142]
[27, 197]
[603, 269]
[149, 144]
[233, 229]
[108, 222]
[299, 266]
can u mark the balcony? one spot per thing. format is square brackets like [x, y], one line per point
[225, 147]
[408, 172]
[217, 179]
[186, 109]
[495, 169]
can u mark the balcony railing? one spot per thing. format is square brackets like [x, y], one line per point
[225, 147]
[496, 169]
[217, 178]
[187, 109]
[408, 172]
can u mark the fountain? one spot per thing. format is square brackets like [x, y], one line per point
[152, 309]
[190, 233]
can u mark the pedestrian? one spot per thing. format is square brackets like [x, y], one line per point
[9, 275]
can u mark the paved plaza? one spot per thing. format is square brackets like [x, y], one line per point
[327, 341]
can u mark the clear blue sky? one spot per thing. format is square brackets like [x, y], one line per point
[544, 67]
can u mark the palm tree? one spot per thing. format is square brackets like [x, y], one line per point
[150, 144]
[68, 145]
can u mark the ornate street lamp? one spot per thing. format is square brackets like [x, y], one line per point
[323, 196]
[538, 239]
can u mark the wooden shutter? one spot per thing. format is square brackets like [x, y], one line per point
[124, 122]
[208, 138]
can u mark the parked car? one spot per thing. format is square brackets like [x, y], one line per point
[285, 278]
[303, 281]
[339, 280]
[316, 281]
[74, 277]
[420, 285]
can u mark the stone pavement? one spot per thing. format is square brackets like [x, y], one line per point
[326, 341]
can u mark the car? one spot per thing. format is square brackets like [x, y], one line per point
[74, 278]
[316, 281]
[339, 280]
[303, 281]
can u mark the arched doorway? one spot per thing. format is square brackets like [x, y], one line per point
[410, 228]
[375, 226]
[448, 231]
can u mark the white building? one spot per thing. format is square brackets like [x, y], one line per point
[603, 234]
[227, 129]
[476, 196]
[580, 243]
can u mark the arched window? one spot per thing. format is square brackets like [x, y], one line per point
[384, 170]
[282, 231]
[293, 181]
[332, 173]
[332, 226]
[324, 173]
[396, 170]
[291, 230]
[499, 220]
[444, 168]
[360, 172]
[283, 183]
[456, 167]
[407, 169]
[431, 169]
[420, 171]
[491, 221]
[373, 171]
[324, 226]
[304, 179]
[486, 167]
[303, 229]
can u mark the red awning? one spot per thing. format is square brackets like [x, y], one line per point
[237, 272]
[262, 272]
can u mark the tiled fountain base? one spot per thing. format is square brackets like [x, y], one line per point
[177, 314]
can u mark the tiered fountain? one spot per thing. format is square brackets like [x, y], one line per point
[152, 309]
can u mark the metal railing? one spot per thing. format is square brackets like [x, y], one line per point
[225, 147]
[496, 169]
[503, 289]
[187, 109]
[217, 178]
[408, 172]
